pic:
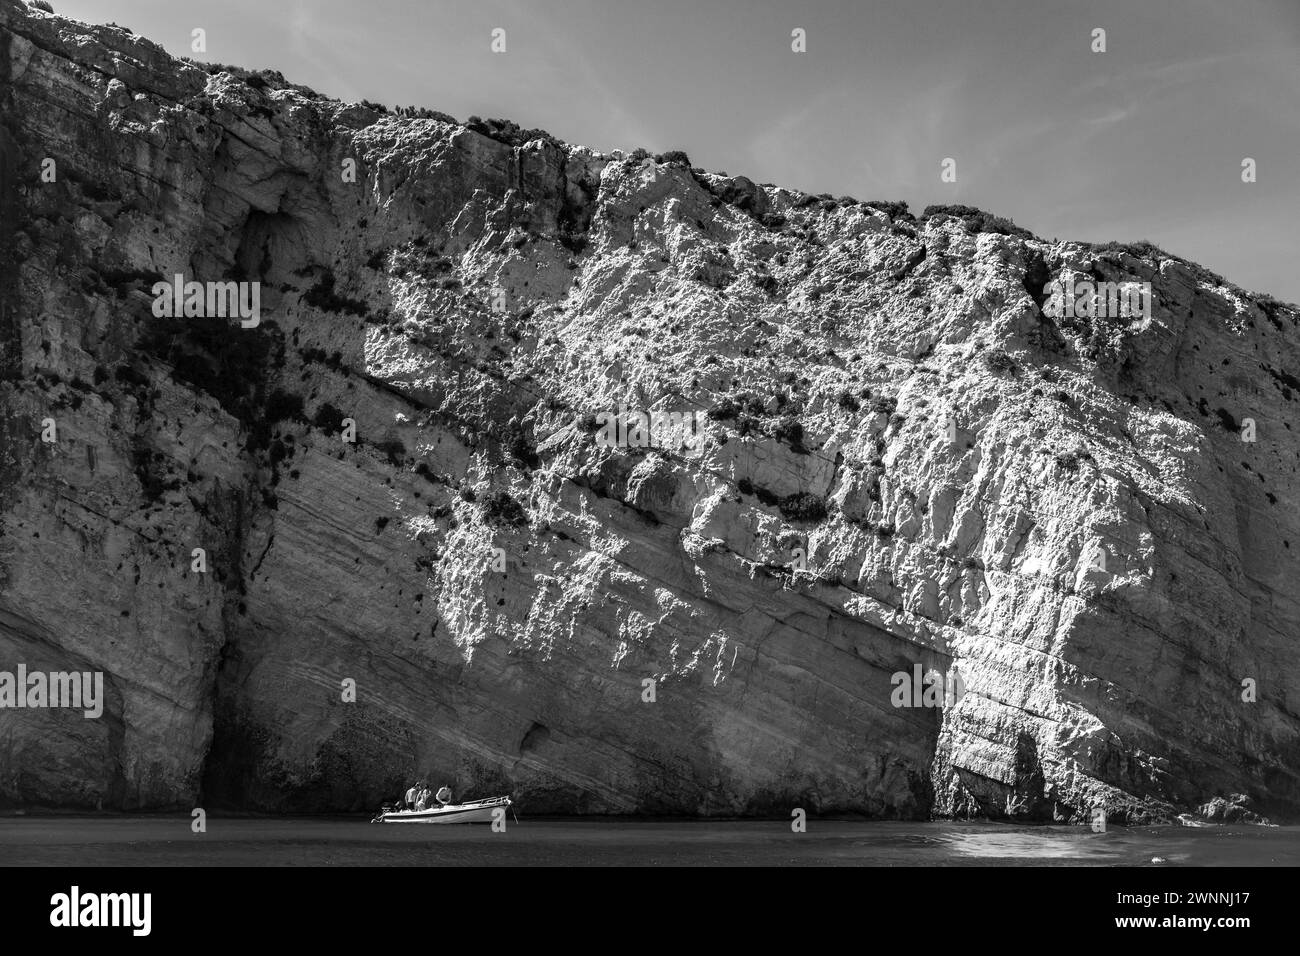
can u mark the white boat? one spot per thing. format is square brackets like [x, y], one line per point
[476, 811]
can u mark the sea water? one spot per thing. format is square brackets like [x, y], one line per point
[352, 841]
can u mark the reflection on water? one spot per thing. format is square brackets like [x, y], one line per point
[130, 841]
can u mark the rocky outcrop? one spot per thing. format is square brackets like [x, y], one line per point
[901, 461]
[1234, 810]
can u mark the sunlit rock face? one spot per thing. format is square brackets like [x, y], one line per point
[517, 577]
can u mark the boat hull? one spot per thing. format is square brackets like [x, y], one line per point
[480, 811]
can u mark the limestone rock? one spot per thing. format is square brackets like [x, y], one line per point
[653, 627]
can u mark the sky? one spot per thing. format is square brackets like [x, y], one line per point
[1143, 141]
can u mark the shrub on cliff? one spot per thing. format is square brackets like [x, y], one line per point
[1067, 461]
[746, 487]
[1072, 459]
[333, 360]
[500, 508]
[323, 297]
[282, 405]
[518, 445]
[884, 405]
[421, 112]
[998, 360]
[150, 469]
[790, 431]
[1144, 249]
[328, 418]
[42, 5]
[724, 409]
[393, 450]
[977, 220]
[802, 506]
[574, 242]
[1141, 249]
[508, 132]
[674, 157]
[894, 210]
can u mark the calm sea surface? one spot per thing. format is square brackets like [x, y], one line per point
[154, 841]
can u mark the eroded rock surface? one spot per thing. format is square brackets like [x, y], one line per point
[1091, 544]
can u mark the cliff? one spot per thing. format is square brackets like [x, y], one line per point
[902, 460]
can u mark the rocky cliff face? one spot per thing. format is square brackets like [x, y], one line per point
[902, 461]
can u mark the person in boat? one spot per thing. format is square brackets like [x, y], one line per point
[444, 795]
[422, 801]
[411, 796]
